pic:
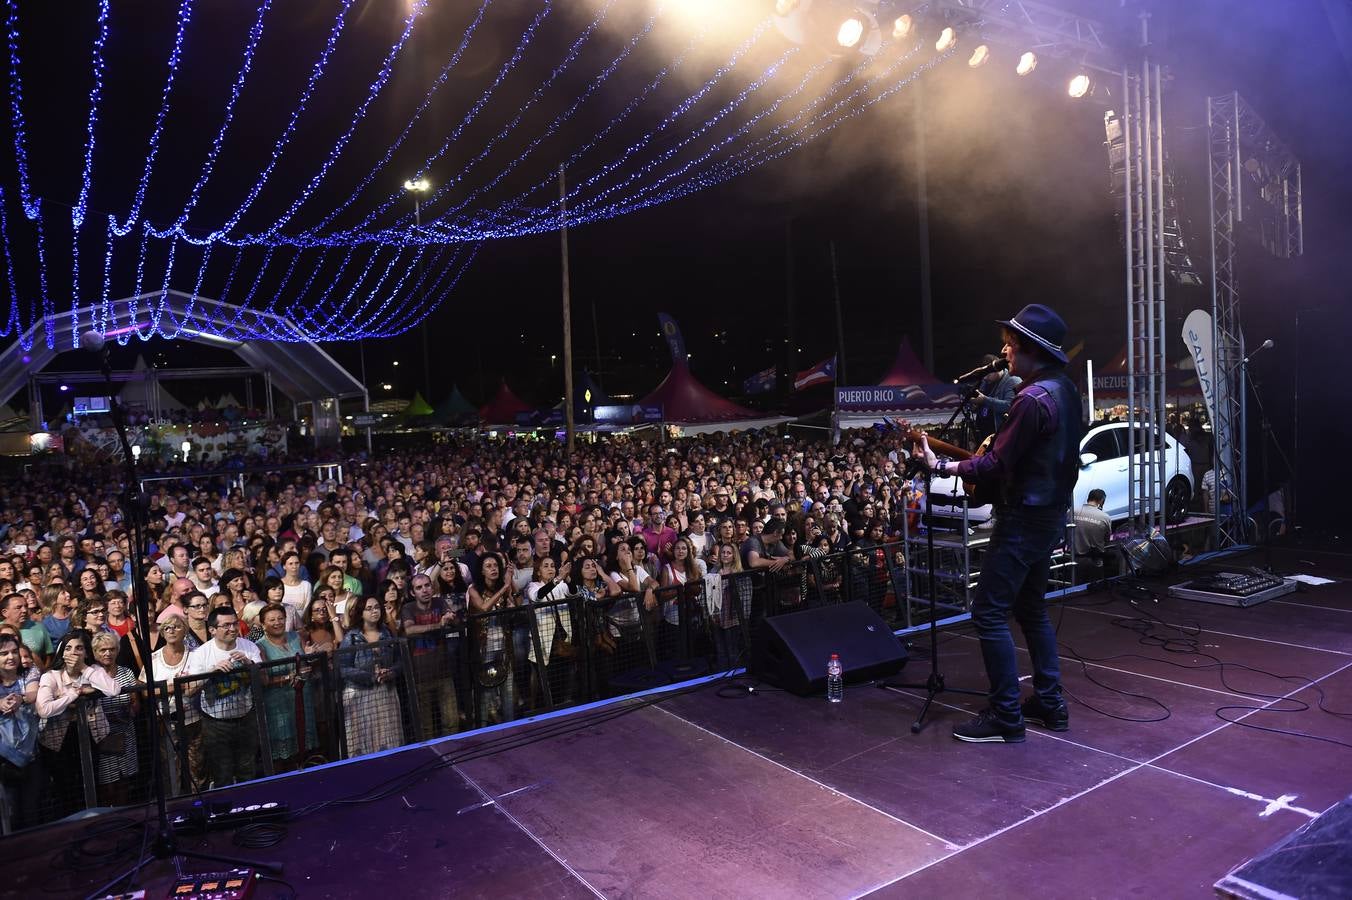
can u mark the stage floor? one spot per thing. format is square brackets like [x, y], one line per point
[771, 795]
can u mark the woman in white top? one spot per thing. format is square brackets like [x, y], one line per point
[631, 579]
[493, 672]
[728, 600]
[169, 662]
[295, 589]
[699, 538]
[73, 678]
[555, 624]
[683, 580]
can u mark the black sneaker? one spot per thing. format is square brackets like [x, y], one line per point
[987, 728]
[1051, 718]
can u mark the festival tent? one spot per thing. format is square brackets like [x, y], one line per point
[148, 394]
[907, 369]
[417, 407]
[454, 410]
[697, 410]
[502, 409]
[908, 391]
[227, 401]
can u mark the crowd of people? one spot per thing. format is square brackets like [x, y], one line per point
[408, 548]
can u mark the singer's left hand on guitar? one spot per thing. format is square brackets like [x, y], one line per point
[923, 448]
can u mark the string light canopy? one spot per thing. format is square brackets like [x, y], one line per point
[263, 157]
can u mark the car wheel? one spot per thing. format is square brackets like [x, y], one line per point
[1177, 496]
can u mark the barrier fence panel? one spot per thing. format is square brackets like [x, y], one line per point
[294, 700]
[622, 641]
[434, 664]
[225, 727]
[371, 698]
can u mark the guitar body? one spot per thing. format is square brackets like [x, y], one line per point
[977, 496]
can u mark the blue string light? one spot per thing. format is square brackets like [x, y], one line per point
[175, 55]
[390, 277]
[374, 91]
[567, 115]
[316, 73]
[26, 199]
[208, 167]
[530, 102]
[12, 323]
[417, 116]
[77, 216]
[469, 117]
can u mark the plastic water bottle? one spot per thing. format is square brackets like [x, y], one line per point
[835, 679]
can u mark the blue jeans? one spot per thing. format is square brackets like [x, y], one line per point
[1014, 579]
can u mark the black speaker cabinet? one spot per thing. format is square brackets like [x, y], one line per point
[791, 650]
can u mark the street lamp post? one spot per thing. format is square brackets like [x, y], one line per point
[417, 187]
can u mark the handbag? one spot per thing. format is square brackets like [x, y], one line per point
[18, 738]
[604, 642]
[97, 720]
[493, 670]
[115, 744]
[561, 649]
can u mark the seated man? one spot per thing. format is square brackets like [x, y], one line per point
[1093, 529]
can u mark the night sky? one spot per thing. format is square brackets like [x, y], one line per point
[1018, 203]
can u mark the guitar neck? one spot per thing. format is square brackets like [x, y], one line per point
[953, 451]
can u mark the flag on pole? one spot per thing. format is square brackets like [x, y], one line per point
[762, 382]
[675, 342]
[821, 372]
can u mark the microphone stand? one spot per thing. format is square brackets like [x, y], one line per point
[1265, 425]
[963, 408]
[165, 843]
[934, 685]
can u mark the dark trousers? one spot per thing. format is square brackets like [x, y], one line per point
[231, 747]
[23, 789]
[1014, 580]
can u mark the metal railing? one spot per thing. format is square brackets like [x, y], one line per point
[492, 667]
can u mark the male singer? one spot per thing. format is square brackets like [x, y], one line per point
[1032, 467]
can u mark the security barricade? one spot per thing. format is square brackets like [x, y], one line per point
[254, 720]
[374, 700]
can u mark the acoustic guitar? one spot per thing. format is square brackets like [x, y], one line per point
[952, 451]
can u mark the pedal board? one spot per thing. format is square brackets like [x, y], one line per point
[1245, 588]
[236, 884]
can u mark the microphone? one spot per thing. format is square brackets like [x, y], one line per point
[1266, 345]
[93, 341]
[998, 365]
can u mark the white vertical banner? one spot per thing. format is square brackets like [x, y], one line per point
[1197, 335]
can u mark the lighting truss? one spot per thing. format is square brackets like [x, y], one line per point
[1029, 25]
[1253, 173]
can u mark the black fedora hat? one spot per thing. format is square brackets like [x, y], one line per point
[1042, 325]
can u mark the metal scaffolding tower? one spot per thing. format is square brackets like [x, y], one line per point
[1146, 264]
[1243, 152]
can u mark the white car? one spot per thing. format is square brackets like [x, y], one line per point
[1103, 464]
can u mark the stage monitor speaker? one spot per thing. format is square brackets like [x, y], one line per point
[791, 650]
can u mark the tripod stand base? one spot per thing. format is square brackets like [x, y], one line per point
[933, 687]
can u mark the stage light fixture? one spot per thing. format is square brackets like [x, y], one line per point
[1027, 63]
[948, 39]
[980, 56]
[902, 26]
[849, 32]
[784, 7]
[1080, 85]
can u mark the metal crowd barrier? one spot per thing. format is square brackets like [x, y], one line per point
[494, 667]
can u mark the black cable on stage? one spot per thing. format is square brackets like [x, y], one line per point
[259, 835]
[1187, 640]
